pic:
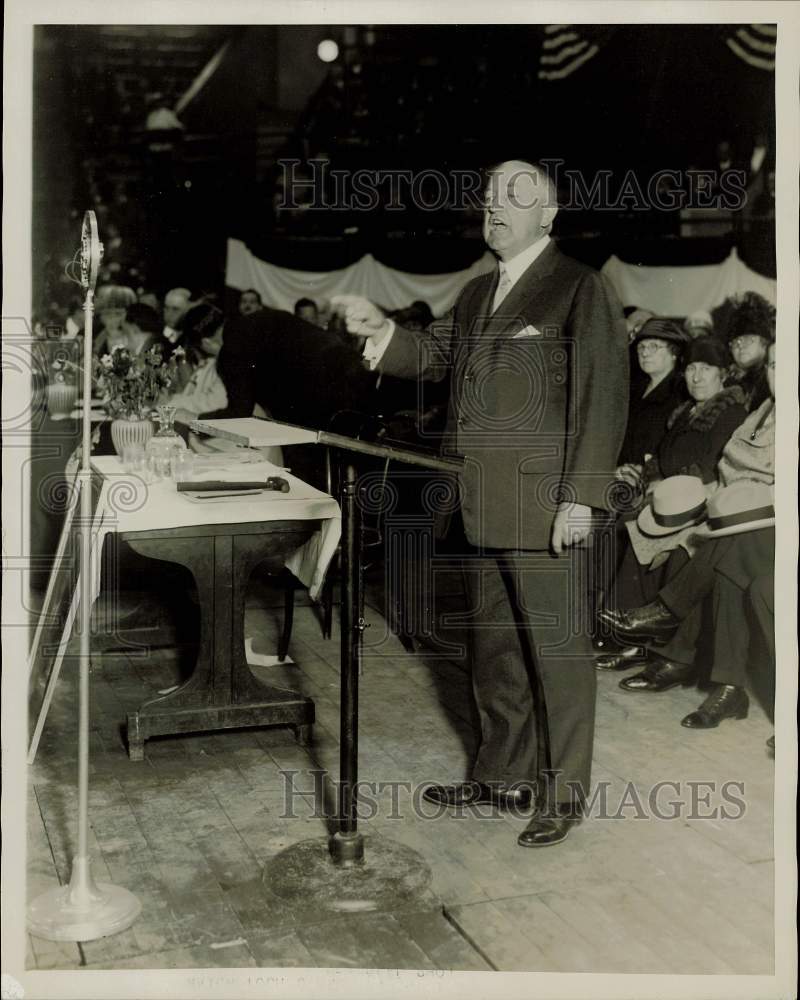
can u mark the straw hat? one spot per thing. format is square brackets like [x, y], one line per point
[676, 503]
[742, 506]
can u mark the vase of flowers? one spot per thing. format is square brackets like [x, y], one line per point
[131, 384]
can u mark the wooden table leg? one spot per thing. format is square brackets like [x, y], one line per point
[222, 692]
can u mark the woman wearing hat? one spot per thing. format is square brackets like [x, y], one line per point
[658, 345]
[751, 330]
[111, 303]
[697, 431]
[656, 390]
[737, 550]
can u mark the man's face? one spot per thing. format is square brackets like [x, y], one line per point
[309, 314]
[248, 303]
[174, 308]
[517, 211]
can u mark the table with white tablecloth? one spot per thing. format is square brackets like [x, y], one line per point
[219, 541]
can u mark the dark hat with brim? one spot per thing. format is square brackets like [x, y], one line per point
[662, 329]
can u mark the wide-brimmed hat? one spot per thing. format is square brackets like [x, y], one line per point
[742, 506]
[677, 502]
[662, 329]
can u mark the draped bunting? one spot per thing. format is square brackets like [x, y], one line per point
[667, 291]
[281, 287]
[566, 47]
[678, 291]
[753, 44]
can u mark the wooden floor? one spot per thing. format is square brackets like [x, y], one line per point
[192, 828]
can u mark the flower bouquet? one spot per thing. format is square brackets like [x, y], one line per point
[130, 386]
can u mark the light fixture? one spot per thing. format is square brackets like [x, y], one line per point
[327, 50]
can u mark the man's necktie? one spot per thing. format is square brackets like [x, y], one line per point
[503, 288]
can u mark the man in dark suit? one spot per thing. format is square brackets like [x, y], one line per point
[537, 356]
[296, 372]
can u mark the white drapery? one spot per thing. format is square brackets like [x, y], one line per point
[666, 291]
[678, 291]
[281, 287]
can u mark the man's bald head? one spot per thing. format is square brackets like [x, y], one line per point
[176, 302]
[519, 207]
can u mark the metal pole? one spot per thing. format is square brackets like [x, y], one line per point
[82, 888]
[347, 844]
[83, 910]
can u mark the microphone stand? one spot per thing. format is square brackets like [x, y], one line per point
[84, 910]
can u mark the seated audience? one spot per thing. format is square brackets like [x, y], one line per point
[635, 318]
[748, 457]
[699, 323]
[250, 302]
[307, 310]
[658, 345]
[176, 302]
[724, 571]
[751, 329]
[111, 303]
[204, 391]
[142, 328]
[697, 431]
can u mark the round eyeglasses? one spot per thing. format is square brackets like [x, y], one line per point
[650, 346]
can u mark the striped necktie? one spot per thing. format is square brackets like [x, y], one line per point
[503, 288]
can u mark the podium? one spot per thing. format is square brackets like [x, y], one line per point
[346, 846]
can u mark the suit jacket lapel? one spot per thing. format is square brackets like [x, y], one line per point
[509, 317]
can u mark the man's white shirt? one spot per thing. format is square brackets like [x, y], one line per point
[514, 268]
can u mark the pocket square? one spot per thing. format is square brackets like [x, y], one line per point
[529, 331]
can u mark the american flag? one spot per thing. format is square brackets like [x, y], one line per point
[754, 43]
[566, 47]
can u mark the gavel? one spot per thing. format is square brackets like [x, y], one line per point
[275, 483]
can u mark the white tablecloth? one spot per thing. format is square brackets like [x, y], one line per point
[127, 503]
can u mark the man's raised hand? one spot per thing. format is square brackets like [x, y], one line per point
[362, 317]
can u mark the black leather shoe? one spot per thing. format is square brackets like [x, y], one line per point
[726, 701]
[625, 659]
[652, 622]
[545, 830]
[659, 675]
[473, 793]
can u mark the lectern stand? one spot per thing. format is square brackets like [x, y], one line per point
[346, 846]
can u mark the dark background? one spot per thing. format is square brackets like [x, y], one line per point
[445, 97]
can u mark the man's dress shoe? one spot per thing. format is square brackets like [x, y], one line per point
[726, 701]
[652, 622]
[473, 793]
[546, 829]
[659, 675]
[625, 659]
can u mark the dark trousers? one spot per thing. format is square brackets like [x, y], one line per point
[723, 569]
[532, 671]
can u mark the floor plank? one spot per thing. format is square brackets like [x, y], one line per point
[191, 828]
